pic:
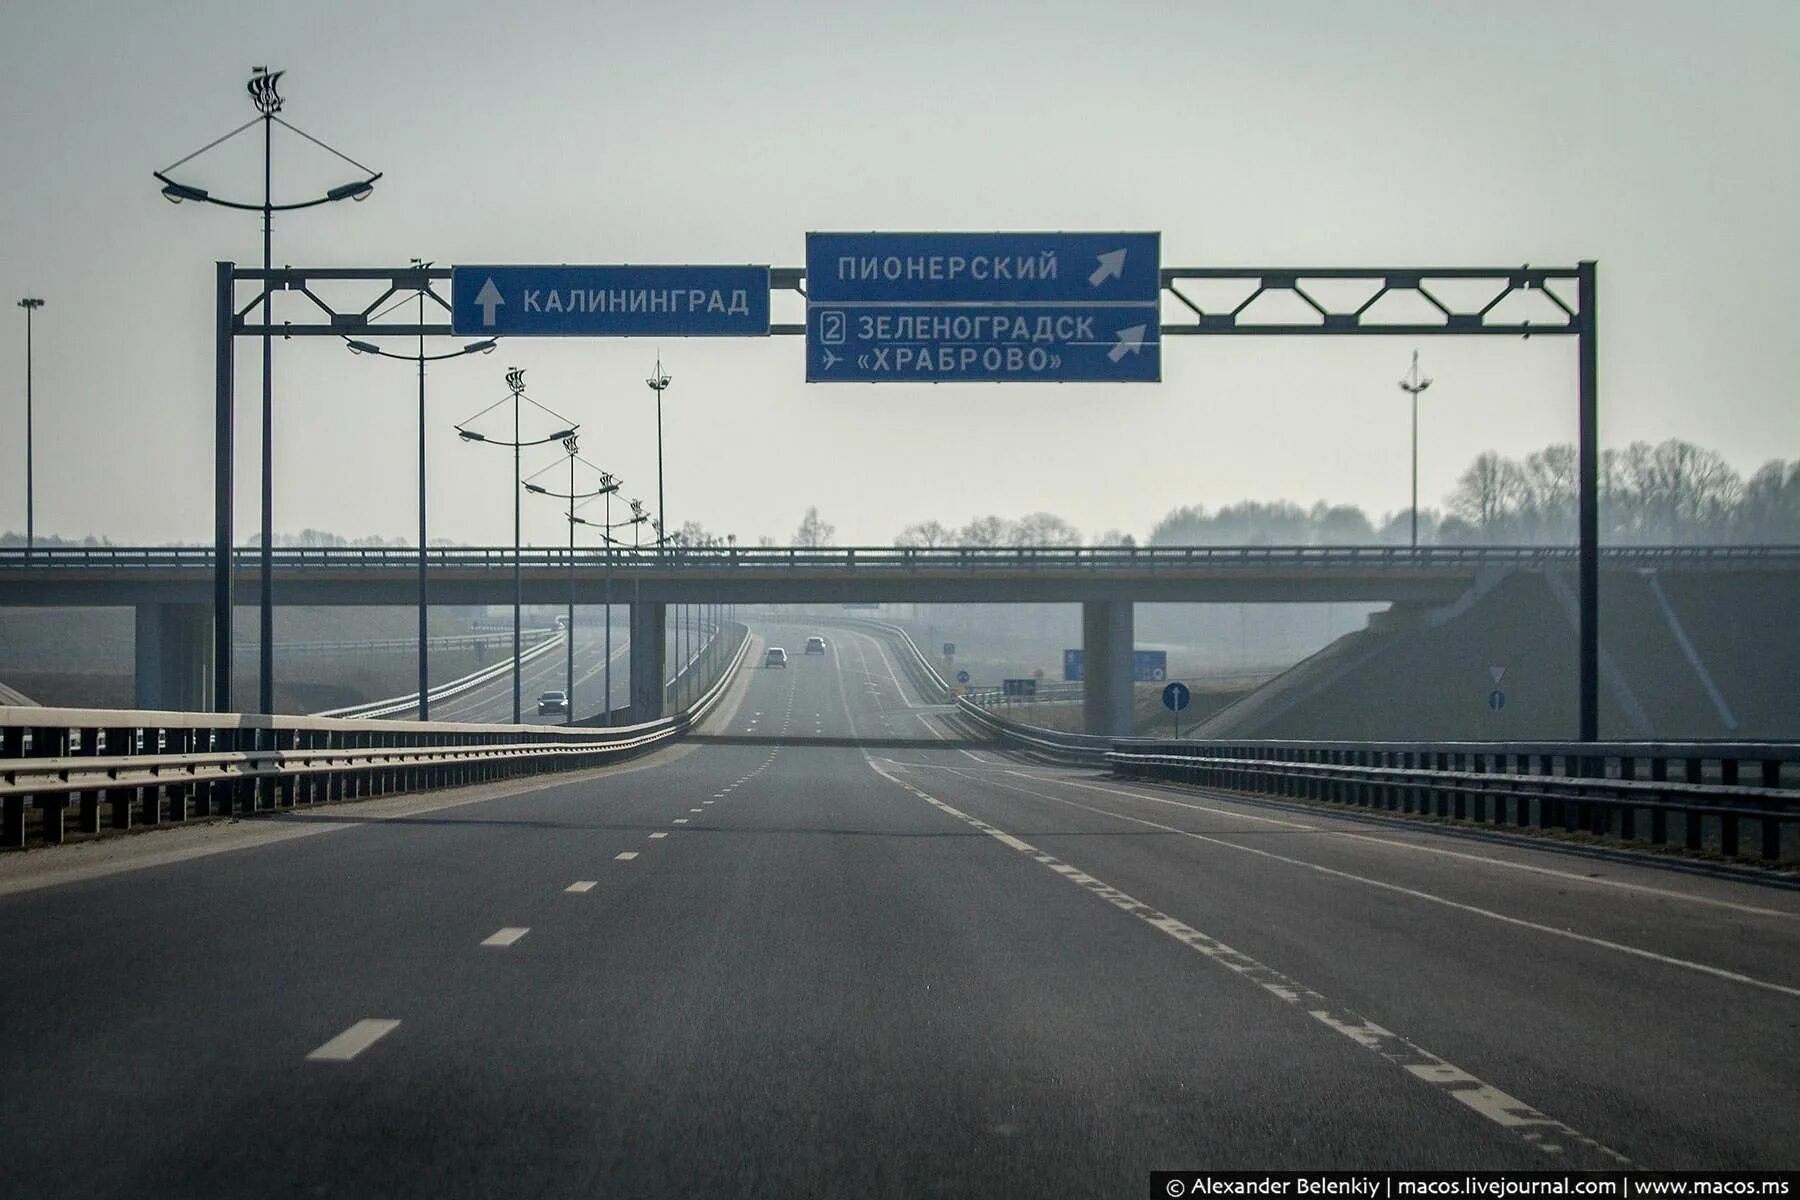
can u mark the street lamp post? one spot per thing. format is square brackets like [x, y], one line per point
[608, 485]
[265, 95]
[659, 383]
[638, 517]
[484, 347]
[1412, 385]
[515, 382]
[30, 304]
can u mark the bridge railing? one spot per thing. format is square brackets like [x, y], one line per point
[448, 641]
[1704, 793]
[120, 768]
[904, 558]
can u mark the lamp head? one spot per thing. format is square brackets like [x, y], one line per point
[359, 190]
[357, 347]
[175, 193]
[469, 435]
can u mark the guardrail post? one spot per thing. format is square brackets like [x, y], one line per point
[12, 808]
[120, 742]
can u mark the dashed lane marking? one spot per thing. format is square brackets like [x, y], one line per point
[1487, 860]
[581, 885]
[659, 835]
[506, 936]
[625, 856]
[354, 1040]
[1543, 1132]
[1431, 898]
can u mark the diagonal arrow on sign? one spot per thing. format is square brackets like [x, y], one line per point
[487, 300]
[1131, 341]
[1112, 266]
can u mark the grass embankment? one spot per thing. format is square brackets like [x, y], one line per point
[85, 657]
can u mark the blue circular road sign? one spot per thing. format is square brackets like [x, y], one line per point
[1175, 697]
[962, 677]
[1496, 699]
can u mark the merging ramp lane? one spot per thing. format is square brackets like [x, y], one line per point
[844, 947]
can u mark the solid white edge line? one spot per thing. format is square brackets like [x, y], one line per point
[1429, 897]
[1571, 876]
[354, 1040]
[1538, 1129]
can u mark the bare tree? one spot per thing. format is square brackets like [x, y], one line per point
[1488, 494]
[1044, 529]
[926, 534]
[982, 532]
[1340, 525]
[1769, 509]
[813, 530]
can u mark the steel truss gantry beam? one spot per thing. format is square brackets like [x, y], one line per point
[1484, 317]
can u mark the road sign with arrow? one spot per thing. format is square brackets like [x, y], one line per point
[609, 301]
[983, 307]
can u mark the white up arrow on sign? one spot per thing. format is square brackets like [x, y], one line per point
[1112, 265]
[487, 300]
[1131, 340]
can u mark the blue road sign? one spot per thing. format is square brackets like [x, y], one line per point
[992, 268]
[983, 307]
[1018, 687]
[1175, 697]
[1147, 666]
[962, 677]
[1496, 699]
[921, 343]
[949, 649]
[1150, 666]
[609, 301]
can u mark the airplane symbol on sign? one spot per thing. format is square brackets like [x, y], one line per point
[831, 360]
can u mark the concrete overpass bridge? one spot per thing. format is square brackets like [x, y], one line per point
[173, 592]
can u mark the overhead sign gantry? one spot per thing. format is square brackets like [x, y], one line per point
[934, 281]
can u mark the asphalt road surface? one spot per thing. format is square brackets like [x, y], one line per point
[758, 967]
[492, 701]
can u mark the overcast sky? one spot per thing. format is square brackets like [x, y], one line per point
[1654, 137]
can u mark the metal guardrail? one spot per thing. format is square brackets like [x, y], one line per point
[1607, 789]
[903, 558]
[156, 767]
[1602, 788]
[449, 641]
[392, 705]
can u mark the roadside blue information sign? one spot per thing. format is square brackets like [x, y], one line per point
[1147, 666]
[609, 301]
[983, 307]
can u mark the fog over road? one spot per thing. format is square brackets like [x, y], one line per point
[772, 967]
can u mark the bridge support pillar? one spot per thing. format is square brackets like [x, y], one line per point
[649, 624]
[1106, 642]
[174, 657]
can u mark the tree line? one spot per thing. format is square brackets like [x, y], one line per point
[1673, 493]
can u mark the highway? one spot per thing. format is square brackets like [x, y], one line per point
[492, 700]
[826, 956]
